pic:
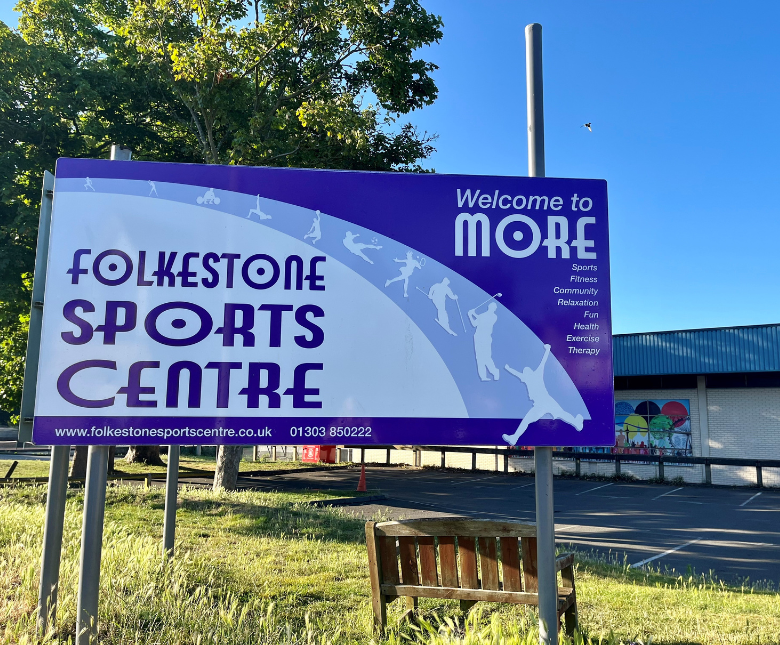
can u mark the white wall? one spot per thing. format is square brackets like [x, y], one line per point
[744, 423]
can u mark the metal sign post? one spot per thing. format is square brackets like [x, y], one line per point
[545, 519]
[92, 527]
[58, 470]
[171, 493]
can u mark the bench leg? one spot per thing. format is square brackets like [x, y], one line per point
[570, 619]
[465, 605]
[411, 606]
[380, 614]
[570, 622]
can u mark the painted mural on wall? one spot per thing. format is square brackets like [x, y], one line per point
[653, 427]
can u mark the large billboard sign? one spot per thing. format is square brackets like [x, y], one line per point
[190, 304]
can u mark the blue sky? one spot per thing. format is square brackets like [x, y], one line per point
[683, 97]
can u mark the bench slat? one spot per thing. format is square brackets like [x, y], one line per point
[456, 593]
[488, 563]
[510, 564]
[389, 557]
[428, 561]
[408, 556]
[456, 526]
[530, 570]
[448, 561]
[467, 548]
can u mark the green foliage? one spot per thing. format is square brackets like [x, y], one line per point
[271, 82]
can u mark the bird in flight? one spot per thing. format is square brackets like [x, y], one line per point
[586, 125]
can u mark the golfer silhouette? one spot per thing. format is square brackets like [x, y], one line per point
[153, 189]
[314, 232]
[543, 403]
[410, 264]
[356, 248]
[483, 341]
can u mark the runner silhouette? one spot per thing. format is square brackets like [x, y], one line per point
[356, 248]
[410, 264]
[314, 232]
[439, 293]
[543, 403]
[483, 341]
[88, 185]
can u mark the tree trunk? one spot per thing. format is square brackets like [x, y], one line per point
[226, 474]
[149, 455]
[78, 467]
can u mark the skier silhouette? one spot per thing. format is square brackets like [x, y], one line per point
[543, 403]
[260, 214]
[483, 341]
[314, 232]
[410, 264]
[88, 185]
[153, 188]
[439, 293]
[356, 248]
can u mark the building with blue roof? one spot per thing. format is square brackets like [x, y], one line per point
[703, 392]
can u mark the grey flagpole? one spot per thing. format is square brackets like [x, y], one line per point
[543, 465]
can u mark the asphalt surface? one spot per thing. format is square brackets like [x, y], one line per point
[733, 532]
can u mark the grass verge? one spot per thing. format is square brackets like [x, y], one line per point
[256, 567]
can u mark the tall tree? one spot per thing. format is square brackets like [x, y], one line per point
[63, 92]
[305, 83]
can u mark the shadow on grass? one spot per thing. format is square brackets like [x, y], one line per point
[283, 520]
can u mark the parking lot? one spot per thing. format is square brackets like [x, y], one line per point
[734, 532]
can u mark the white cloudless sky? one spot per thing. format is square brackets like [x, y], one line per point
[684, 99]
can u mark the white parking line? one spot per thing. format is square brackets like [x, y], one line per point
[749, 500]
[661, 555]
[590, 490]
[667, 493]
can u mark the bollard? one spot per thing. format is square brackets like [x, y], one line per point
[255, 452]
[708, 473]
[506, 463]
[295, 453]
[759, 475]
[661, 468]
[577, 466]
[617, 466]
[387, 459]
[443, 459]
[473, 461]
[273, 453]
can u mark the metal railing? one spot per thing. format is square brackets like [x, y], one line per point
[659, 461]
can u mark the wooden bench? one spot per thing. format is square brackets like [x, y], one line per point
[429, 551]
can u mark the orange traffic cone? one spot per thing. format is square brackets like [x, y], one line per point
[362, 483]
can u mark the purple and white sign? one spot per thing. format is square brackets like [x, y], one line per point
[193, 304]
